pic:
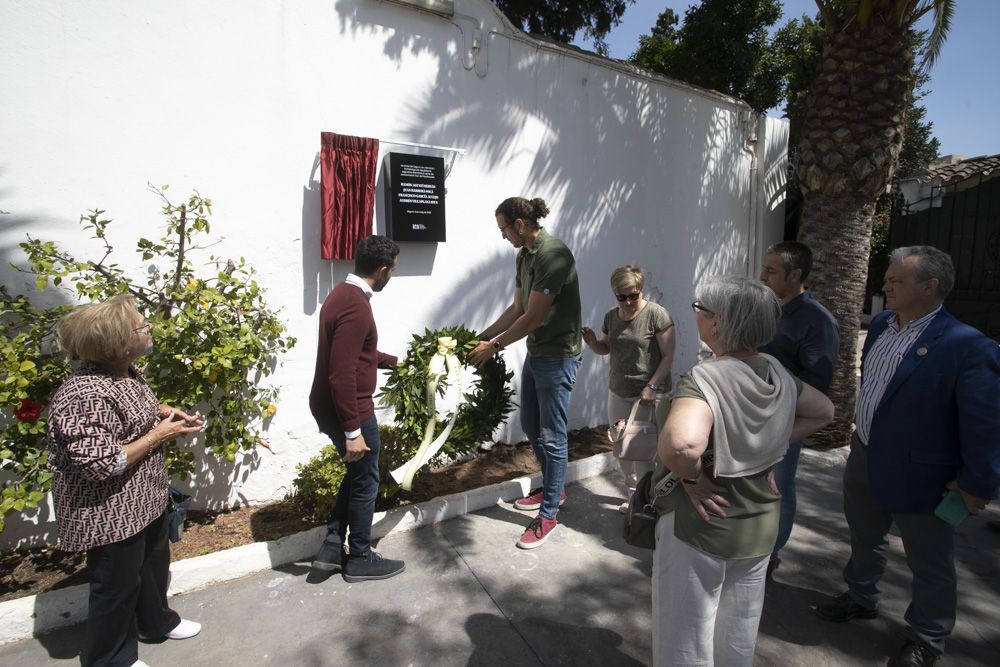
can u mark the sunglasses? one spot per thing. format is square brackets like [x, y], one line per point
[145, 328]
[622, 298]
[696, 306]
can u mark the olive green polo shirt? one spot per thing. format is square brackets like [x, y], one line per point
[635, 352]
[548, 267]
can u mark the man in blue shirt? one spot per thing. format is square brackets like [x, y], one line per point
[806, 345]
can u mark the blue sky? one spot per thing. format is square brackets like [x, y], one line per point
[964, 102]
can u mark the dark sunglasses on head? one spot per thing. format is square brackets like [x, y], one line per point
[696, 306]
[628, 297]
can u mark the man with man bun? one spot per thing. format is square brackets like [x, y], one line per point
[546, 310]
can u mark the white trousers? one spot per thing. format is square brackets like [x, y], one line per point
[619, 408]
[705, 609]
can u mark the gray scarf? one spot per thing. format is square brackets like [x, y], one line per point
[752, 417]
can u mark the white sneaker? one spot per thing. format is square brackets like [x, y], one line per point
[139, 663]
[184, 630]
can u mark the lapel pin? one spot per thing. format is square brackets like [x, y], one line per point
[921, 351]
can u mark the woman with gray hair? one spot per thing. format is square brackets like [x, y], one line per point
[729, 421]
[639, 336]
[105, 436]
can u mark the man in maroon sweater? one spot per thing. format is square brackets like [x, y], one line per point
[347, 360]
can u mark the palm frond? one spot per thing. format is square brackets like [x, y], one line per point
[943, 11]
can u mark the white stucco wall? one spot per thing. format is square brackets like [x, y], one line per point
[229, 97]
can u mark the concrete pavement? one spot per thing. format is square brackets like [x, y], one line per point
[469, 597]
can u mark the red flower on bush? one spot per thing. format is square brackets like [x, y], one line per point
[29, 410]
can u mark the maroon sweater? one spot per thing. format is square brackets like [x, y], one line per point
[346, 361]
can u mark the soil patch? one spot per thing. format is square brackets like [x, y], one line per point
[30, 571]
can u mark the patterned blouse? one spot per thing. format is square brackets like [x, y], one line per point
[97, 500]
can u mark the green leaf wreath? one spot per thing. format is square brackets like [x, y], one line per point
[484, 409]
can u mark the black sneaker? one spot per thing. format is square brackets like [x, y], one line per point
[330, 556]
[913, 654]
[843, 608]
[371, 566]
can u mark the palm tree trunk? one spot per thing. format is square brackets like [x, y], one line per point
[850, 140]
[838, 229]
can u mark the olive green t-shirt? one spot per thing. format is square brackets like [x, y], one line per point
[750, 528]
[635, 354]
[548, 267]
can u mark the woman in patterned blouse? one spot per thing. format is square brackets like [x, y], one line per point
[105, 431]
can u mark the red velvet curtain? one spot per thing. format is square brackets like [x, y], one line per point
[347, 189]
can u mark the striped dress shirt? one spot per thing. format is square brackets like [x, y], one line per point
[880, 365]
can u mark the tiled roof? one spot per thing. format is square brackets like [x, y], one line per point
[954, 172]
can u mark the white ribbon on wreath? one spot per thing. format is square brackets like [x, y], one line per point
[444, 359]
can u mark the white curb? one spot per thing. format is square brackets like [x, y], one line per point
[37, 614]
[827, 459]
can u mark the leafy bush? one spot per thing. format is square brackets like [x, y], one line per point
[216, 339]
[319, 479]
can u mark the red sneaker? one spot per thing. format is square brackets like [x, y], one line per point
[533, 500]
[537, 532]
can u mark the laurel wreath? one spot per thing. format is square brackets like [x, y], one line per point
[484, 409]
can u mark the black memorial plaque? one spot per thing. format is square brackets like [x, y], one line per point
[415, 198]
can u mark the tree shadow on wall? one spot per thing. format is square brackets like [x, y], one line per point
[635, 171]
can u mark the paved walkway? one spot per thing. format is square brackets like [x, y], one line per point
[469, 597]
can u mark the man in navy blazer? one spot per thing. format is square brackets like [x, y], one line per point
[927, 420]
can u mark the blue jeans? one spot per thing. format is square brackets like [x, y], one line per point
[358, 490]
[546, 383]
[784, 477]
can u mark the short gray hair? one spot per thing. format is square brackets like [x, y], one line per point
[748, 311]
[931, 263]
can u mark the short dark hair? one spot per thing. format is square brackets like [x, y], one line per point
[530, 211]
[794, 255]
[373, 253]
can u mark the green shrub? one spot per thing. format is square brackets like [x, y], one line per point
[318, 480]
[216, 340]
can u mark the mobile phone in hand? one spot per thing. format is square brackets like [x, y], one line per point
[952, 508]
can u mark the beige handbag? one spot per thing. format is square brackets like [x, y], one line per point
[634, 439]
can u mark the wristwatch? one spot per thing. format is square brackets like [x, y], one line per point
[496, 344]
[654, 387]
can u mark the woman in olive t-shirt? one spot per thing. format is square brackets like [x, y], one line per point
[729, 422]
[639, 336]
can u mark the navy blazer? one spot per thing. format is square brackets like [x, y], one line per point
[938, 420]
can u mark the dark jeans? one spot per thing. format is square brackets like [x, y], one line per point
[784, 477]
[928, 541]
[546, 383]
[358, 490]
[128, 595]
